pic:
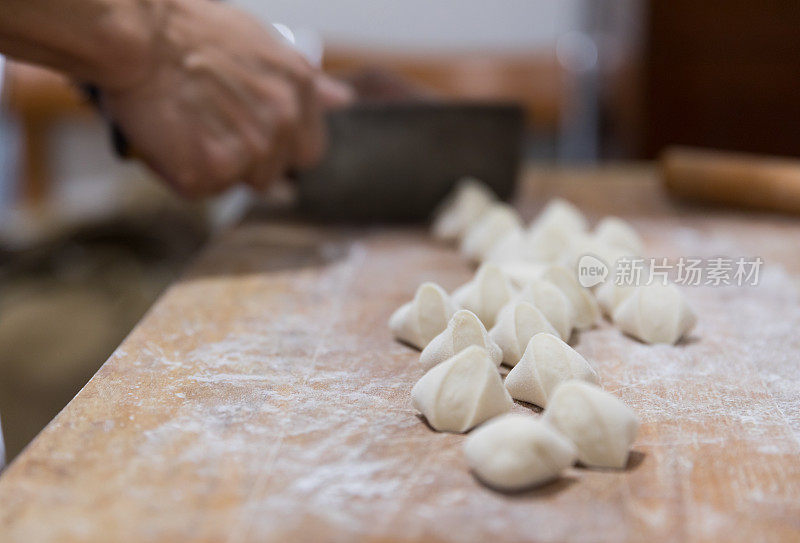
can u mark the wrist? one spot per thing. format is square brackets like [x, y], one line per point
[105, 42]
[127, 44]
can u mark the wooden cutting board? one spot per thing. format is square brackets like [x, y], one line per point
[263, 399]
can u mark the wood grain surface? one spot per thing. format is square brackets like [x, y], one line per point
[263, 399]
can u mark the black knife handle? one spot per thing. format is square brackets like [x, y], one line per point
[118, 140]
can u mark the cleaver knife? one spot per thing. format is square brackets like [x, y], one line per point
[390, 162]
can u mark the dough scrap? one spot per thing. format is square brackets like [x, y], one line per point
[619, 233]
[486, 293]
[586, 312]
[516, 324]
[482, 236]
[463, 330]
[553, 304]
[462, 392]
[599, 424]
[461, 209]
[546, 363]
[423, 318]
[655, 313]
[513, 451]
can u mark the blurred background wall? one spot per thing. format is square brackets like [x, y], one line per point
[420, 26]
[721, 74]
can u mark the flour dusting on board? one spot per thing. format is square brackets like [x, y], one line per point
[257, 403]
[312, 403]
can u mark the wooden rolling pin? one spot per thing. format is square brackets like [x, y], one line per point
[735, 179]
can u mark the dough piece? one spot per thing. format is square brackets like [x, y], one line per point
[463, 330]
[422, 319]
[512, 247]
[554, 230]
[560, 215]
[588, 245]
[586, 312]
[485, 294]
[655, 313]
[549, 243]
[496, 222]
[521, 273]
[461, 209]
[518, 451]
[618, 233]
[517, 323]
[547, 363]
[462, 392]
[553, 304]
[599, 424]
[610, 295]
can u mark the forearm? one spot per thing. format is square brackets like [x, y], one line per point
[106, 42]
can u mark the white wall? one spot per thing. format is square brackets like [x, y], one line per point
[414, 25]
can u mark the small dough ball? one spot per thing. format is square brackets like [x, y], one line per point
[486, 293]
[493, 225]
[463, 330]
[517, 451]
[547, 363]
[423, 318]
[516, 324]
[555, 229]
[512, 247]
[462, 392]
[549, 245]
[599, 424]
[610, 295]
[610, 255]
[553, 304]
[461, 209]
[586, 312]
[560, 215]
[655, 313]
[618, 233]
[521, 272]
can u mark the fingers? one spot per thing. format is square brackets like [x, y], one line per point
[286, 102]
[316, 94]
[299, 137]
[271, 165]
[332, 92]
[307, 129]
[230, 121]
[280, 126]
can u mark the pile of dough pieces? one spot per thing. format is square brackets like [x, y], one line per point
[546, 253]
[520, 310]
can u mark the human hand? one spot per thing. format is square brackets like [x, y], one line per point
[222, 100]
